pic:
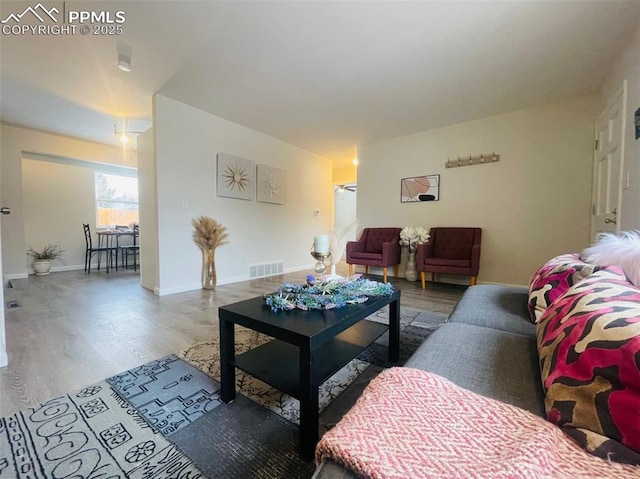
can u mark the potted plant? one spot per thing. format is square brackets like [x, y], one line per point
[42, 259]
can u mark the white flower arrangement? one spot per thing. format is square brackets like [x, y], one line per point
[412, 236]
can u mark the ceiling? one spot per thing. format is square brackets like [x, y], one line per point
[325, 76]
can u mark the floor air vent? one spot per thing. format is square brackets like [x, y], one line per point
[261, 270]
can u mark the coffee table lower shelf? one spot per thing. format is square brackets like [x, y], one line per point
[278, 363]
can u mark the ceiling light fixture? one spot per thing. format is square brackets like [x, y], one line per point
[125, 52]
[124, 62]
[125, 130]
[355, 161]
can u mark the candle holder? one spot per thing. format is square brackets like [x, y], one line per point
[320, 267]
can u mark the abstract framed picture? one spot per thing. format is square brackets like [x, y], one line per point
[236, 177]
[271, 185]
[420, 188]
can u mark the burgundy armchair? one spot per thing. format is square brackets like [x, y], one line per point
[450, 251]
[378, 247]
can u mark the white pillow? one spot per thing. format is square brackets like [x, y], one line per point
[621, 250]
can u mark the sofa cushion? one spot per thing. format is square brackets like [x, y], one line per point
[456, 263]
[495, 306]
[589, 346]
[495, 364]
[553, 279]
[362, 255]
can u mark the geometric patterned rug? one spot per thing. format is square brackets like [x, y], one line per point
[165, 419]
[206, 357]
[90, 433]
[168, 393]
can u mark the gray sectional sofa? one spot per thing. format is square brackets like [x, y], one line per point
[488, 346]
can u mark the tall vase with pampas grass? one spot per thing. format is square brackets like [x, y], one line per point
[208, 234]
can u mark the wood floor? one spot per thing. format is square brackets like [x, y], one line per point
[74, 329]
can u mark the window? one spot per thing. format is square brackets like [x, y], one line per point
[116, 200]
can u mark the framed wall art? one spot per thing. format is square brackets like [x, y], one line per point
[236, 177]
[271, 185]
[420, 188]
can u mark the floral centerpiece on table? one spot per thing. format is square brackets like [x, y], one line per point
[412, 236]
[208, 234]
[326, 293]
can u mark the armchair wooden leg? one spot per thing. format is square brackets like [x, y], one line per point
[384, 274]
[366, 270]
[350, 270]
[395, 271]
[433, 277]
[474, 280]
[423, 279]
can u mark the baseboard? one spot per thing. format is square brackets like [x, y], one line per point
[236, 279]
[8, 277]
[303, 268]
[54, 269]
[176, 289]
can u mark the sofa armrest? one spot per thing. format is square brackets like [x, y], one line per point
[423, 251]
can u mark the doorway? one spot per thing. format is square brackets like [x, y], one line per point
[345, 208]
[608, 166]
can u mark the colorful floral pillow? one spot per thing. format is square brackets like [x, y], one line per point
[553, 279]
[589, 347]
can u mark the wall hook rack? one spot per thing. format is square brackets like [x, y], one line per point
[472, 160]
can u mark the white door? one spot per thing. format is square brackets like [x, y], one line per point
[608, 166]
[3, 344]
[345, 197]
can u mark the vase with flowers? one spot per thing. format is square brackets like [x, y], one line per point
[208, 234]
[411, 237]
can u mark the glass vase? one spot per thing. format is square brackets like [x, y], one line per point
[410, 273]
[209, 269]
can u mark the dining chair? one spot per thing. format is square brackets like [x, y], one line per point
[131, 250]
[121, 234]
[91, 250]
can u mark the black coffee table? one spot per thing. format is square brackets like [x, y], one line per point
[309, 347]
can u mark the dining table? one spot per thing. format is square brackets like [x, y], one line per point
[110, 238]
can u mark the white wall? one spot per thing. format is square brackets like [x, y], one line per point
[148, 211]
[14, 141]
[187, 141]
[57, 199]
[627, 67]
[532, 204]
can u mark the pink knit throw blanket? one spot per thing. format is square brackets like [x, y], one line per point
[413, 424]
